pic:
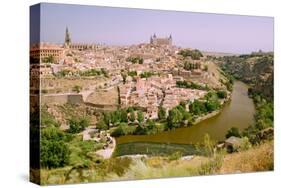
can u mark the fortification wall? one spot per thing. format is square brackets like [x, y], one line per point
[62, 98]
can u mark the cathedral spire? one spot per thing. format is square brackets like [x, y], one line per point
[67, 39]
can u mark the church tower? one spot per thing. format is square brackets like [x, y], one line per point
[170, 40]
[67, 39]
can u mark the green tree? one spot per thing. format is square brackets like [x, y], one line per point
[161, 113]
[77, 88]
[132, 116]
[123, 129]
[104, 72]
[107, 118]
[212, 105]
[124, 116]
[101, 125]
[132, 73]
[174, 118]
[77, 125]
[140, 130]
[233, 131]
[222, 94]
[197, 107]
[54, 151]
[140, 117]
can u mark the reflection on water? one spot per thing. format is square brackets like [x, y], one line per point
[238, 113]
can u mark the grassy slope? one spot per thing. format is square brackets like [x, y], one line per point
[259, 158]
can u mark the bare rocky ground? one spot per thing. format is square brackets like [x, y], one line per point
[64, 112]
[104, 97]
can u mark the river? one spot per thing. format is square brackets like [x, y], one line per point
[239, 112]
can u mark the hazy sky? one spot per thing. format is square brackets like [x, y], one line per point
[123, 26]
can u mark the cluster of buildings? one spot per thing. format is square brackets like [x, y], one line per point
[156, 91]
[158, 56]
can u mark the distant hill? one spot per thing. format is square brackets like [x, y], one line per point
[255, 69]
[218, 54]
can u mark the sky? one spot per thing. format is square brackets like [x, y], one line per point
[125, 26]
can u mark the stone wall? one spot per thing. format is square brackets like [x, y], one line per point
[66, 85]
[62, 98]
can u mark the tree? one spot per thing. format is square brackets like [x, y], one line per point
[233, 131]
[212, 105]
[106, 118]
[77, 88]
[174, 118]
[206, 68]
[54, 152]
[132, 73]
[222, 94]
[104, 72]
[77, 125]
[124, 116]
[123, 129]
[187, 65]
[140, 117]
[141, 130]
[101, 125]
[132, 116]
[197, 107]
[161, 113]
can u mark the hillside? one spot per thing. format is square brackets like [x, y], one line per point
[259, 158]
[255, 69]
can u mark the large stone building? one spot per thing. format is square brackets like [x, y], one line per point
[154, 40]
[46, 52]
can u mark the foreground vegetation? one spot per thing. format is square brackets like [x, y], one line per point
[257, 158]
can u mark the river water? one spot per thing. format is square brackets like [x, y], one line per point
[238, 113]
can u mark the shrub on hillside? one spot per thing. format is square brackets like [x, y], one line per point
[77, 125]
[54, 151]
[233, 131]
[123, 129]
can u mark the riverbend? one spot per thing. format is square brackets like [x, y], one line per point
[239, 112]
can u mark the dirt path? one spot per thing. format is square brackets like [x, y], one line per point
[107, 153]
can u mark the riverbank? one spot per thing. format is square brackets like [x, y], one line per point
[214, 113]
[238, 111]
[207, 116]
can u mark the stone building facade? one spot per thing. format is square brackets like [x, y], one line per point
[154, 40]
[41, 52]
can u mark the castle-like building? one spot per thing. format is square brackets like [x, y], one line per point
[154, 40]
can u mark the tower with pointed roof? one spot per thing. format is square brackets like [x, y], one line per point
[67, 40]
